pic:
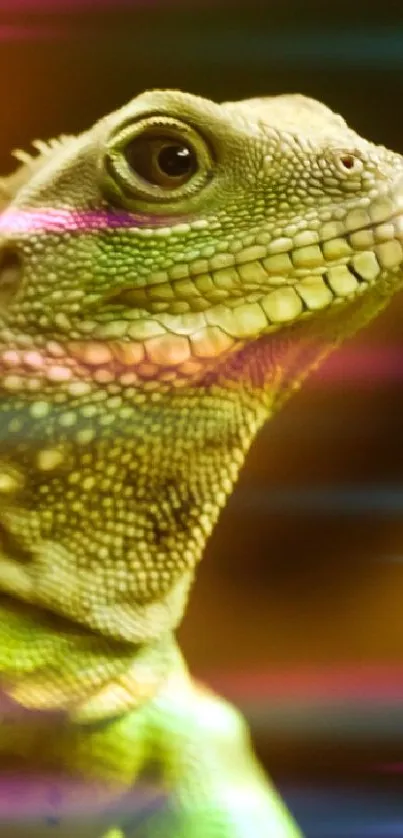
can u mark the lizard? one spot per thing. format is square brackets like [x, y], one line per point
[168, 278]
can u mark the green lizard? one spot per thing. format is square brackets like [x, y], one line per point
[167, 279]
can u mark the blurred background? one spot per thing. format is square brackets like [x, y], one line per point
[297, 614]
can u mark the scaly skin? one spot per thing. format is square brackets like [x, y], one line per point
[167, 279]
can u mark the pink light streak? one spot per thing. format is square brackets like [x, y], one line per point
[390, 768]
[64, 220]
[20, 32]
[367, 682]
[39, 6]
[363, 364]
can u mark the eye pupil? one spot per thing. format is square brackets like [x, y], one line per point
[176, 160]
[162, 160]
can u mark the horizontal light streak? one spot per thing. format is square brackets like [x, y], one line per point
[297, 683]
[333, 47]
[347, 500]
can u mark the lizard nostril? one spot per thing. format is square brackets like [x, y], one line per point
[347, 161]
[10, 274]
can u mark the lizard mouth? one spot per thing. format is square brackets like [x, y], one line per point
[175, 324]
[172, 325]
[287, 278]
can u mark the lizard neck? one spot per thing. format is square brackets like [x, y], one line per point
[49, 663]
[109, 496]
[103, 522]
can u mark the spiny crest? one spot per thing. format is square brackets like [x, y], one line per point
[30, 163]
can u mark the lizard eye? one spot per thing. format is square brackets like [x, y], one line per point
[158, 160]
[162, 161]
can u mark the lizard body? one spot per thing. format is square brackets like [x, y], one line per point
[167, 279]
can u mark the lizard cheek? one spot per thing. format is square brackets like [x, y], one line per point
[10, 275]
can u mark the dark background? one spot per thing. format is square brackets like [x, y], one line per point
[297, 612]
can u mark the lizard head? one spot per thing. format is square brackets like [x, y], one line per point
[178, 230]
[177, 242]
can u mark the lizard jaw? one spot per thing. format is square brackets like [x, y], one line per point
[285, 277]
[265, 288]
[178, 347]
